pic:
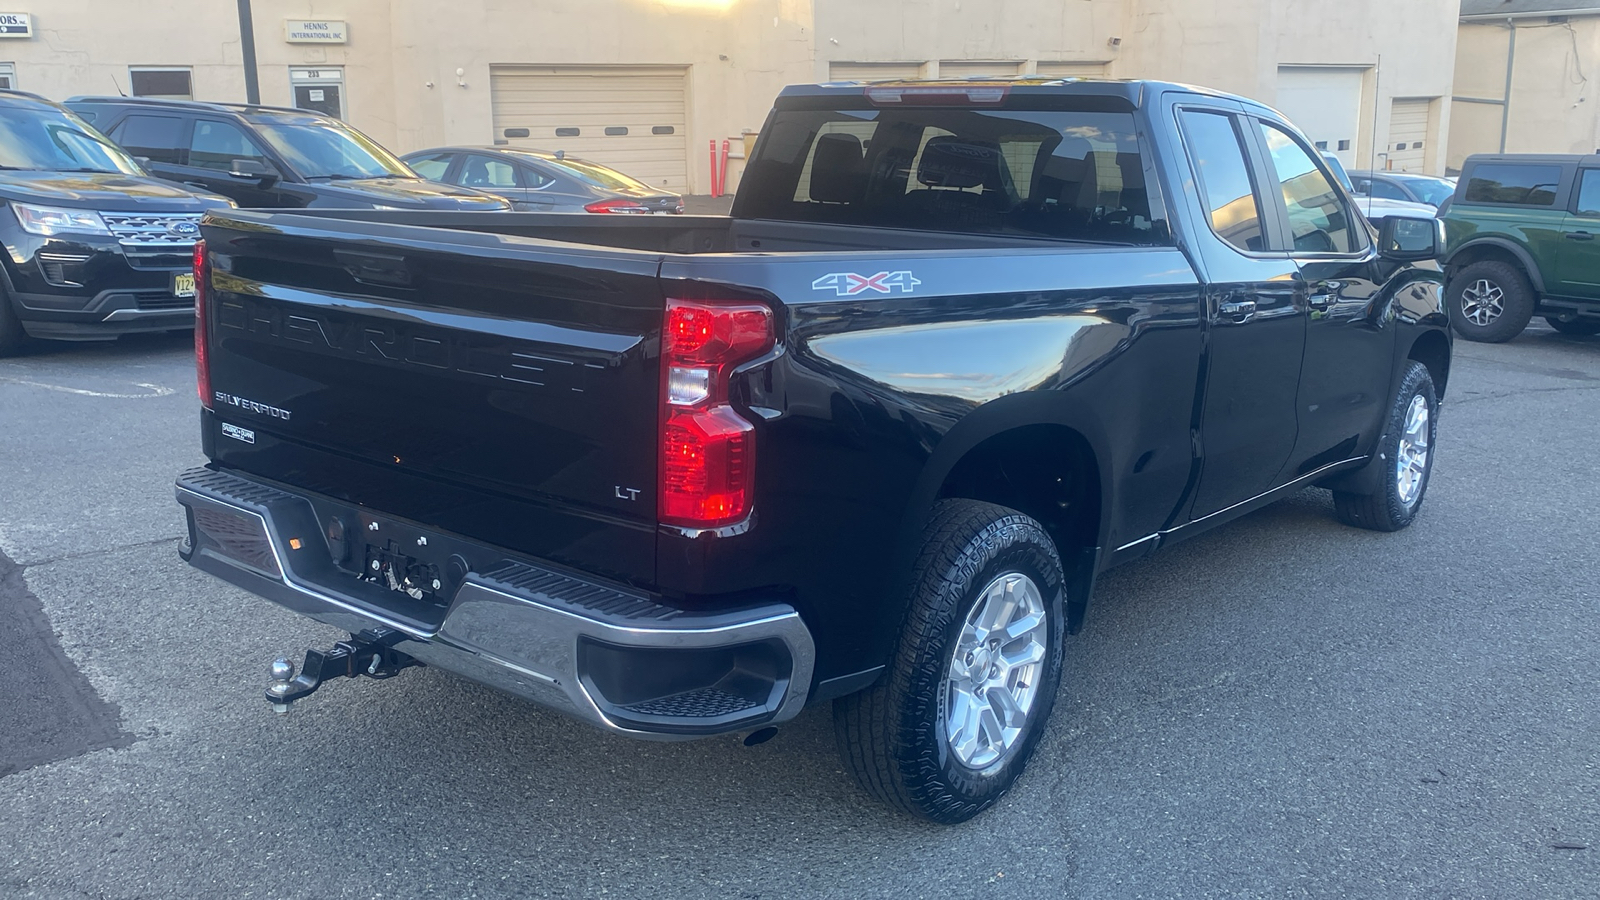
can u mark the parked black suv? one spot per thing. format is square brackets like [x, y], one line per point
[95, 247]
[269, 157]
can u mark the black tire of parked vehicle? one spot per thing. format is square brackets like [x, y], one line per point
[1574, 328]
[12, 335]
[1517, 301]
[1385, 509]
[892, 735]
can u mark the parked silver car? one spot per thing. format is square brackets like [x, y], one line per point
[535, 180]
[1407, 186]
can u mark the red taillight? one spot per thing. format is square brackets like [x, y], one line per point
[707, 449]
[616, 206]
[202, 357]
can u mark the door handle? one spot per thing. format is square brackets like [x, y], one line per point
[1238, 309]
[1579, 236]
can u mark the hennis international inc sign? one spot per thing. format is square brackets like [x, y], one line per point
[322, 32]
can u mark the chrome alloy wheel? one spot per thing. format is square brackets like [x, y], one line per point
[1411, 461]
[992, 682]
[1482, 302]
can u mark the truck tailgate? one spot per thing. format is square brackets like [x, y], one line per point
[505, 384]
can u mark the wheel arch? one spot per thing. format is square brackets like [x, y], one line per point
[1495, 249]
[1024, 452]
[1432, 349]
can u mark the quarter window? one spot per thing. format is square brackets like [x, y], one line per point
[1509, 183]
[1230, 199]
[1318, 218]
[216, 145]
[152, 137]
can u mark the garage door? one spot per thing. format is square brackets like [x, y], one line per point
[1325, 103]
[873, 71]
[967, 68]
[630, 118]
[1072, 69]
[1408, 135]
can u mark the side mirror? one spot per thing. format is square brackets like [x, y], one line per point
[253, 168]
[1406, 239]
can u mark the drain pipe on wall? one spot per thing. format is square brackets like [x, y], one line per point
[1511, 59]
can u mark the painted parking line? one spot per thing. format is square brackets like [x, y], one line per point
[152, 390]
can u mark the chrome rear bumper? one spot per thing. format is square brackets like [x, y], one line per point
[606, 654]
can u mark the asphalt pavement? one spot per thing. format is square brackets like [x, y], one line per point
[1283, 707]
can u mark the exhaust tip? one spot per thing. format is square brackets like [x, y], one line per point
[760, 736]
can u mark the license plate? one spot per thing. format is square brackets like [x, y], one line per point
[183, 284]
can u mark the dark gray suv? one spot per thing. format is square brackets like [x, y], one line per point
[269, 157]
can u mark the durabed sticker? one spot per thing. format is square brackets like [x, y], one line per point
[849, 284]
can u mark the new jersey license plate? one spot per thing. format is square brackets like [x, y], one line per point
[183, 284]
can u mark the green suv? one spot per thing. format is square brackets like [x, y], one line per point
[1521, 232]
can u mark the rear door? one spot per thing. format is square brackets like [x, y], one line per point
[1256, 312]
[497, 387]
[1578, 255]
[160, 139]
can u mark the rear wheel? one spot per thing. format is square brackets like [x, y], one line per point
[1405, 457]
[1490, 301]
[947, 731]
[1575, 327]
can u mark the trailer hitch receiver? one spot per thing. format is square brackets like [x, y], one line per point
[370, 653]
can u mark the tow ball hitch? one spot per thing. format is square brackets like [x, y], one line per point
[369, 653]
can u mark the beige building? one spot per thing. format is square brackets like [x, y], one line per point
[647, 85]
[1524, 78]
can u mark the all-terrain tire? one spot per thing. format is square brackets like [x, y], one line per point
[894, 736]
[1490, 301]
[1399, 495]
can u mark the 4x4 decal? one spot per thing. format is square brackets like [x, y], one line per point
[849, 284]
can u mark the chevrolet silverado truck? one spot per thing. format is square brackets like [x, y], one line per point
[961, 347]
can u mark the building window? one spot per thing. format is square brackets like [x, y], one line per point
[8, 76]
[162, 84]
[319, 90]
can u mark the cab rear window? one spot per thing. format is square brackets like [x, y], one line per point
[1520, 184]
[1049, 173]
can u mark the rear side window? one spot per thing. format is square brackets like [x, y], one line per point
[1046, 173]
[154, 137]
[1589, 193]
[1230, 198]
[1524, 185]
[485, 172]
[216, 145]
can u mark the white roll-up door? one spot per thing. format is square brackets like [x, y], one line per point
[873, 71]
[1324, 102]
[968, 68]
[1058, 69]
[1408, 135]
[631, 118]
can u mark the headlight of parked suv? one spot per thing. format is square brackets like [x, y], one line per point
[49, 220]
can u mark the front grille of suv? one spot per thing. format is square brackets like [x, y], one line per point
[155, 240]
[161, 232]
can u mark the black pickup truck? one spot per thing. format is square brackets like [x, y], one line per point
[961, 347]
